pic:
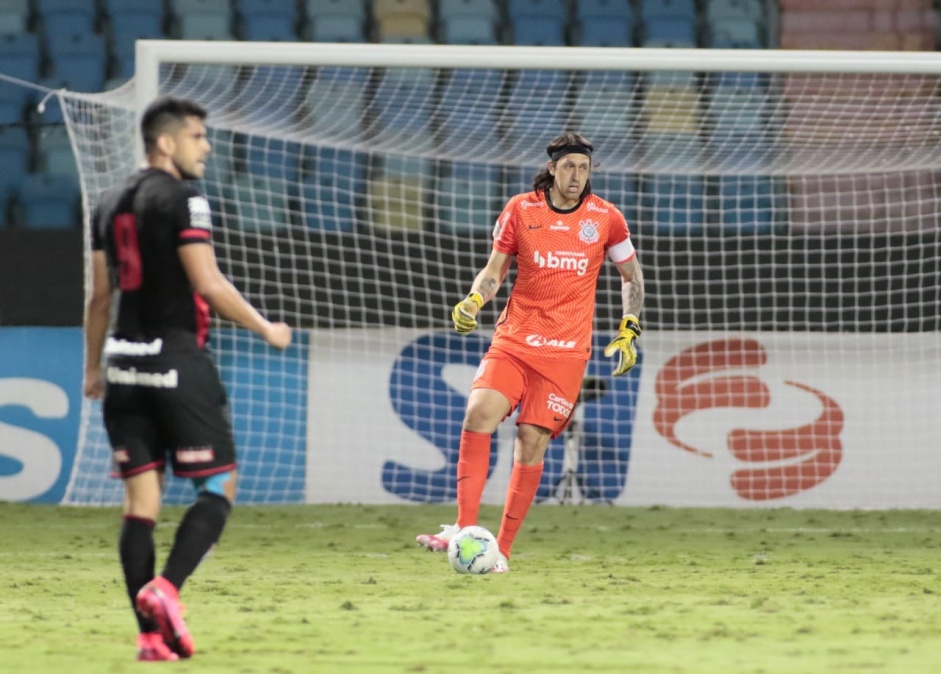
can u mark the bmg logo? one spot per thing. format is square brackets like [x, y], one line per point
[554, 261]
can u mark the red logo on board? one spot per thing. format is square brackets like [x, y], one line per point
[776, 463]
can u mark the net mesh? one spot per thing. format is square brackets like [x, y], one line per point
[356, 204]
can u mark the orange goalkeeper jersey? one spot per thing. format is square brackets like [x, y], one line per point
[559, 255]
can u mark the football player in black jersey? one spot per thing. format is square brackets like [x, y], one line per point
[152, 258]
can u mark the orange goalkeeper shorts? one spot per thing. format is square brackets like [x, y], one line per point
[544, 389]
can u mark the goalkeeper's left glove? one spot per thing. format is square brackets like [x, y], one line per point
[464, 313]
[623, 345]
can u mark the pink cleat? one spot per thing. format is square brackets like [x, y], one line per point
[502, 565]
[438, 542]
[150, 648]
[159, 600]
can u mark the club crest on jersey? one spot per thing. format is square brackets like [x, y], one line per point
[588, 231]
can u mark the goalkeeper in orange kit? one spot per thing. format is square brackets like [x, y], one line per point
[559, 234]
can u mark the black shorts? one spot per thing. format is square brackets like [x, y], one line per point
[173, 406]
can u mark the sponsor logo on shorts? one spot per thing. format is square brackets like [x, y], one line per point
[123, 347]
[195, 455]
[538, 341]
[132, 377]
[559, 405]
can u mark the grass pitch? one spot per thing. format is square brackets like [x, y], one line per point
[322, 589]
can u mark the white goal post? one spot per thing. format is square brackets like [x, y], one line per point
[785, 206]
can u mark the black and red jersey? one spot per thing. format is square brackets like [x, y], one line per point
[140, 225]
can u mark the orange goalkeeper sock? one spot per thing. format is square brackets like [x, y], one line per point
[524, 481]
[473, 464]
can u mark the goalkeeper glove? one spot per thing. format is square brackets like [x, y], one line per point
[464, 313]
[623, 345]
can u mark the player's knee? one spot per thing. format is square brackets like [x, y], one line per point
[215, 485]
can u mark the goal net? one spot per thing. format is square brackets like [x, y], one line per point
[784, 206]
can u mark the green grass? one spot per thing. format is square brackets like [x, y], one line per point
[319, 589]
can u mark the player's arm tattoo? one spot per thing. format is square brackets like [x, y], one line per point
[487, 287]
[632, 287]
[490, 277]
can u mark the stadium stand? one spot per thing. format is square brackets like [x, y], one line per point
[49, 201]
[88, 45]
[14, 16]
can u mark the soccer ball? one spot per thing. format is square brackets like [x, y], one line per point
[473, 550]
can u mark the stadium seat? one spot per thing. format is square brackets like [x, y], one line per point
[11, 110]
[674, 204]
[65, 17]
[15, 157]
[267, 97]
[336, 28]
[518, 9]
[747, 204]
[541, 31]
[273, 158]
[620, 10]
[670, 32]
[398, 191]
[671, 109]
[604, 107]
[469, 113]
[467, 198]
[385, 8]
[50, 201]
[126, 27]
[54, 151]
[334, 102]
[734, 110]
[453, 8]
[535, 112]
[14, 99]
[403, 103]
[672, 152]
[258, 203]
[735, 34]
[735, 9]
[329, 192]
[205, 25]
[79, 61]
[740, 151]
[180, 7]
[288, 7]
[316, 8]
[604, 32]
[479, 30]
[14, 16]
[518, 180]
[268, 28]
[20, 56]
[268, 20]
[668, 9]
[402, 27]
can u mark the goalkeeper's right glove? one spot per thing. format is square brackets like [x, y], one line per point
[464, 313]
[623, 345]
